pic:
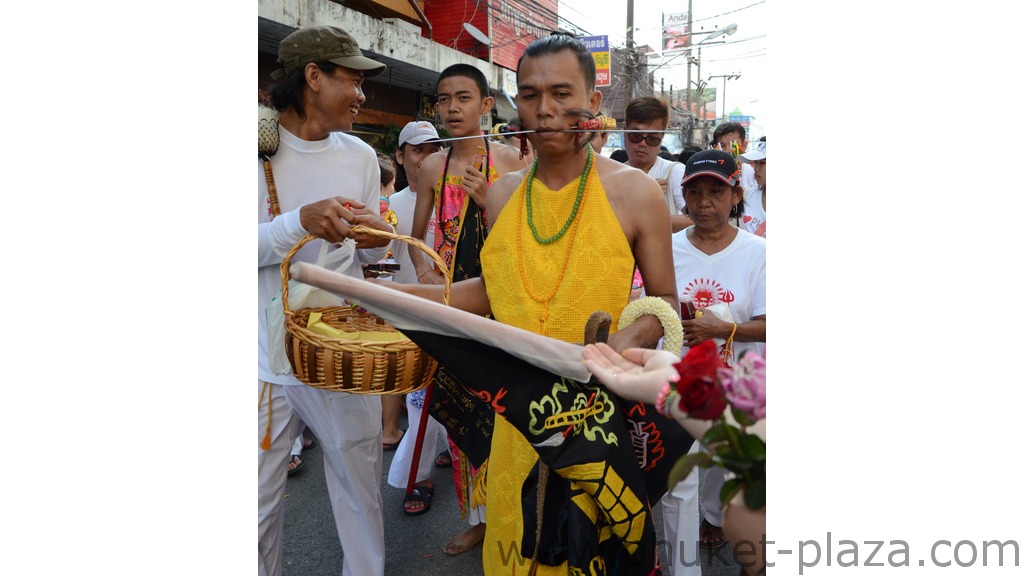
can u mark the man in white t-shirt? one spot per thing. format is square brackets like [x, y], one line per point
[326, 181]
[416, 141]
[650, 113]
[755, 209]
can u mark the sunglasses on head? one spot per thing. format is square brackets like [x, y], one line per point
[650, 139]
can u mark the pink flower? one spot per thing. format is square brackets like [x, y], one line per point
[745, 385]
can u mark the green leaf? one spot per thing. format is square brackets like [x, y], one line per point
[716, 434]
[734, 435]
[685, 465]
[736, 463]
[729, 490]
[741, 417]
[754, 497]
[753, 447]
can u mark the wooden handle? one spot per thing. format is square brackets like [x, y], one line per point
[275, 208]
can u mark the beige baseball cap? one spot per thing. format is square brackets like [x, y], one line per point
[322, 44]
[417, 133]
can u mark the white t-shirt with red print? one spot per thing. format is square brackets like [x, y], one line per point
[747, 179]
[737, 276]
[754, 214]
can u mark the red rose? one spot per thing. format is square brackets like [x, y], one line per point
[700, 395]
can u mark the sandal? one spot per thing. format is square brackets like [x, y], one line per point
[391, 446]
[421, 494]
[294, 468]
[711, 537]
[443, 460]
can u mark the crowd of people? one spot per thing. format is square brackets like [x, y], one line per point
[536, 234]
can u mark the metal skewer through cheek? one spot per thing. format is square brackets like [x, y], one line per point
[589, 125]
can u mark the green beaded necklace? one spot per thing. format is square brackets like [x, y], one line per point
[575, 205]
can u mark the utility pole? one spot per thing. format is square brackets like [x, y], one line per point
[698, 112]
[700, 93]
[631, 64]
[725, 78]
[689, 42]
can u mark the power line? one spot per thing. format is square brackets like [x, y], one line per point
[731, 12]
[738, 57]
[648, 28]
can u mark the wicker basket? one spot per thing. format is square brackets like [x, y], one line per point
[355, 366]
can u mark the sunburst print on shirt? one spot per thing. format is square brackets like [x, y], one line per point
[704, 292]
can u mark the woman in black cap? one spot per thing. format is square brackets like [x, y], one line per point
[720, 275]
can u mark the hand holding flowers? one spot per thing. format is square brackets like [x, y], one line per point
[712, 401]
[734, 398]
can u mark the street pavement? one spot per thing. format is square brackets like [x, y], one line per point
[414, 543]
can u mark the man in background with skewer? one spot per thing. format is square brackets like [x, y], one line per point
[454, 185]
[328, 181]
[460, 200]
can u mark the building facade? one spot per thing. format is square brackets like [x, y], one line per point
[416, 40]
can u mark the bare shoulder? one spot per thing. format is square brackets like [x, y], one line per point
[431, 167]
[506, 157]
[501, 190]
[635, 197]
[625, 184]
[435, 161]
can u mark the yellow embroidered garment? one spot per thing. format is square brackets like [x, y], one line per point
[549, 289]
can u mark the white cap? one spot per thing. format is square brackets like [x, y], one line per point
[757, 153]
[417, 133]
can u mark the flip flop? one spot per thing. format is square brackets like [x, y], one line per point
[714, 544]
[389, 446]
[298, 468]
[423, 494]
[443, 460]
[312, 444]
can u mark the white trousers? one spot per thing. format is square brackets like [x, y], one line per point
[351, 438]
[273, 471]
[681, 522]
[398, 473]
[711, 481]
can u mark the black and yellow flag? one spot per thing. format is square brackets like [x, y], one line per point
[609, 459]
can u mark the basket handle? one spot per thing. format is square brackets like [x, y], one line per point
[286, 263]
